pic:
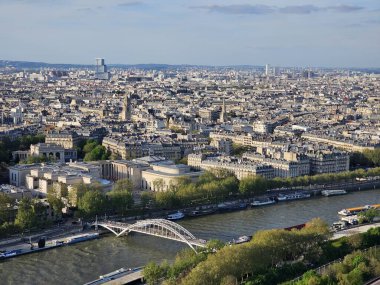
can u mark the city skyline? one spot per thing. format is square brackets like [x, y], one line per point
[216, 33]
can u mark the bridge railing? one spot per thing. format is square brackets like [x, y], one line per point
[156, 227]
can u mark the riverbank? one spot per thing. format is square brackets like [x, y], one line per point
[86, 261]
[313, 190]
[70, 230]
[46, 244]
[123, 279]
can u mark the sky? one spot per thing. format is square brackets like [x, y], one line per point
[319, 33]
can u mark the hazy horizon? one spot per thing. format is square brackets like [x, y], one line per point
[187, 64]
[211, 33]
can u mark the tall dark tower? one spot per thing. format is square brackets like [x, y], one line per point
[126, 112]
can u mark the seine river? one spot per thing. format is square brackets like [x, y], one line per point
[84, 262]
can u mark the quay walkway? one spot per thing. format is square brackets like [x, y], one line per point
[354, 230]
[119, 277]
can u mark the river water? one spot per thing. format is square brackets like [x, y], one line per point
[84, 262]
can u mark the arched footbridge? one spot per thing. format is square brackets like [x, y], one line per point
[154, 227]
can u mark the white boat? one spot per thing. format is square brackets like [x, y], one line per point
[176, 216]
[241, 239]
[355, 210]
[263, 202]
[294, 196]
[333, 192]
[345, 212]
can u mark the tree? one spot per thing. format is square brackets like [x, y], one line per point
[55, 202]
[123, 185]
[206, 177]
[26, 216]
[36, 159]
[229, 280]
[40, 214]
[238, 149]
[145, 198]
[158, 185]
[89, 146]
[153, 272]
[312, 278]
[369, 215]
[7, 145]
[360, 159]
[182, 181]
[252, 184]
[92, 203]
[6, 206]
[120, 201]
[78, 190]
[212, 189]
[98, 153]
[222, 173]
[229, 185]
[184, 261]
[167, 200]
[373, 156]
[214, 244]
[188, 193]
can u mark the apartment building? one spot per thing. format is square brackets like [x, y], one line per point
[65, 140]
[241, 169]
[328, 162]
[281, 167]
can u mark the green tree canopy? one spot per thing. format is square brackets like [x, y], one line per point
[6, 204]
[153, 273]
[92, 203]
[26, 216]
[120, 201]
[253, 185]
[97, 153]
[123, 185]
[55, 202]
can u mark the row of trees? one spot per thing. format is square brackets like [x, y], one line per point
[210, 187]
[38, 159]
[92, 201]
[368, 158]
[323, 178]
[29, 214]
[356, 268]
[89, 200]
[271, 257]
[217, 185]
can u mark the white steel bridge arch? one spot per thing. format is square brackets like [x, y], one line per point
[155, 227]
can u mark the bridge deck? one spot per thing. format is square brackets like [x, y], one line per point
[154, 227]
